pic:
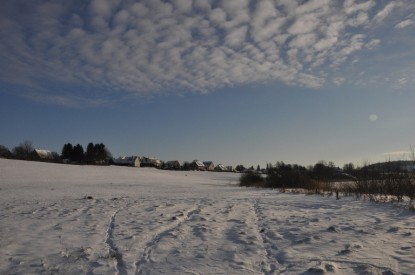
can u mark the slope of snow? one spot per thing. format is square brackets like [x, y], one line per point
[147, 221]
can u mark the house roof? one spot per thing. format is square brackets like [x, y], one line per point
[44, 154]
[126, 159]
[221, 166]
[151, 160]
[199, 163]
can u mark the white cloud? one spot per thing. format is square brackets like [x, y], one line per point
[402, 80]
[405, 23]
[236, 37]
[101, 7]
[303, 41]
[304, 24]
[155, 46]
[386, 11]
[183, 5]
[311, 6]
[217, 16]
[338, 80]
[373, 44]
[361, 19]
[351, 7]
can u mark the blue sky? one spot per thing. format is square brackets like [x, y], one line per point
[235, 82]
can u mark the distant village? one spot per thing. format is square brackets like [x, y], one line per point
[97, 154]
[137, 161]
[143, 161]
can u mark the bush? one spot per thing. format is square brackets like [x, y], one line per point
[251, 179]
[5, 152]
[294, 180]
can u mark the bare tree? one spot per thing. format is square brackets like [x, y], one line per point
[23, 150]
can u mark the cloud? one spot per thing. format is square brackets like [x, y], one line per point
[386, 11]
[338, 80]
[350, 6]
[403, 24]
[155, 47]
[400, 82]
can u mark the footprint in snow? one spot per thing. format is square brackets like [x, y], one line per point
[393, 229]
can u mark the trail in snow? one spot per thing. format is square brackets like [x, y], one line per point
[164, 231]
[113, 251]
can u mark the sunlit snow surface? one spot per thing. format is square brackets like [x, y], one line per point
[147, 221]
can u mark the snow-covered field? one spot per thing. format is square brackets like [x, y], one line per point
[147, 221]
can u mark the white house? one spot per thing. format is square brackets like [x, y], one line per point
[220, 168]
[43, 154]
[150, 162]
[198, 165]
[133, 161]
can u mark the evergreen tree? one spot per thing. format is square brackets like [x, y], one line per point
[90, 154]
[101, 154]
[99, 150]
[67, 151]
[78, 153]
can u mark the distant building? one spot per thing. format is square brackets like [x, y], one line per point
[150, 162]
[40, 154]
[209, 166]
[220, 168]
[197, 165]
[133, 161]
[172, 165]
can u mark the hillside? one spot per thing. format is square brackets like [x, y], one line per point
[118, 220]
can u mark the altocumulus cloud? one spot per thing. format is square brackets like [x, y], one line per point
[153, 46]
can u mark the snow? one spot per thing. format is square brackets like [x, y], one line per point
[72, 219]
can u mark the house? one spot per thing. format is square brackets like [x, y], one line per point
[209, 166]
[150, 162]
[172, 165]
[40, 154]
[197, 165]
[220, 168]
[133, 161]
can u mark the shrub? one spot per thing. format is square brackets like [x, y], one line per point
[5, 152]
[251, 179]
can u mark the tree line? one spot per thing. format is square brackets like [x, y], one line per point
[94, 153]
[391, 180]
